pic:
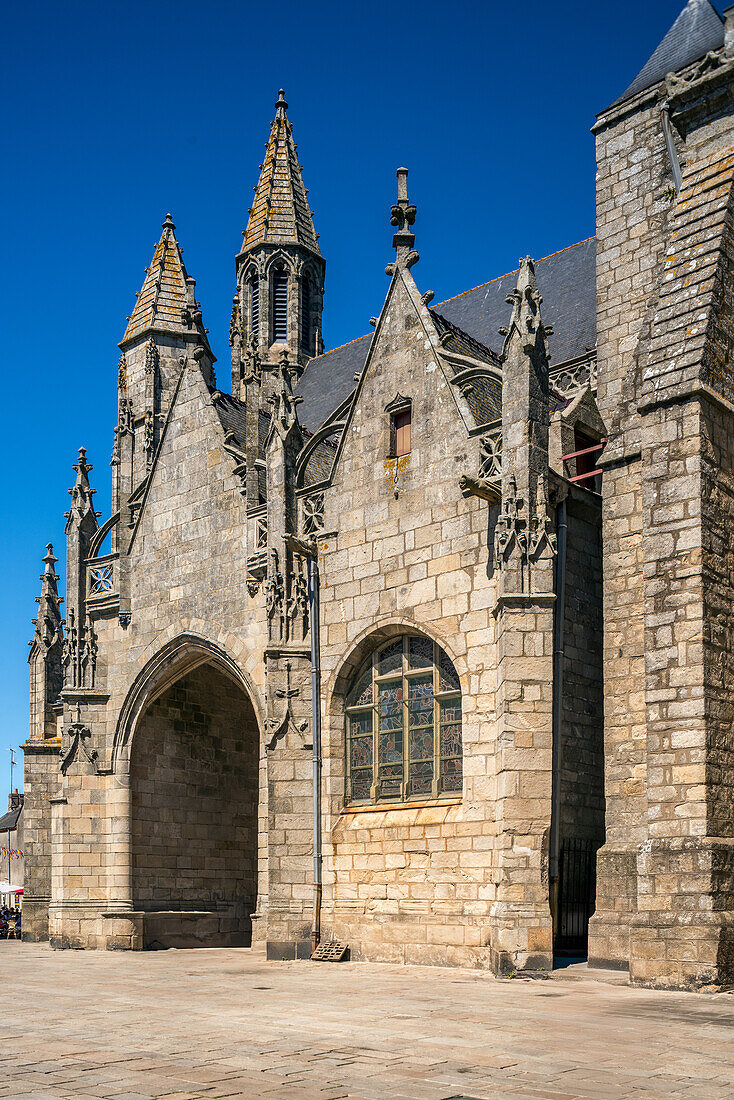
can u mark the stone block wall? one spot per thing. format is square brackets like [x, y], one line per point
[41, 783]
[634, 195]
[409, 554]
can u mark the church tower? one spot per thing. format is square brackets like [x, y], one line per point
[280, 269]
[164, 329]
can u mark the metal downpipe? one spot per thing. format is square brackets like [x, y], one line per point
[557, 752]
[314, 615]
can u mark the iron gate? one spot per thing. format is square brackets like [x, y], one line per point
[576, 894]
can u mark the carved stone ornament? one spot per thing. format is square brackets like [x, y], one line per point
[511, 529]
[298, 600]
[122, 373]
[313, 514]
[714, 60]
[574, 378]
[490, 458]
[274, 589]
[77, 744]
[151, 357]
[149, 438]
[235, 325]
[125, 425]
[277, 724]
[284, 401]
[79, 653]
[541, 536]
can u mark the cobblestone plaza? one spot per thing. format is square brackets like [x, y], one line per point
[205, 1024]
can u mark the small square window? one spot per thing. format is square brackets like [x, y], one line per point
[401, 433]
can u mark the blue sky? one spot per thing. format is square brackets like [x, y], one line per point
[115, 114]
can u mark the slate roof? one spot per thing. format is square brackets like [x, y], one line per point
[567, 281]
[280, 213]
[698, 29]
[9, 821]
[231, 413]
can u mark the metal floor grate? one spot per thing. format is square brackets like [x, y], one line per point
[331, 951]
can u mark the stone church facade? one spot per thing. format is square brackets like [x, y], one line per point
[524, 556]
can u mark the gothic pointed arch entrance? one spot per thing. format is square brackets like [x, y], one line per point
[193, 759]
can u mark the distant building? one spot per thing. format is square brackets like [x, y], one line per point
[527, 581]
[11, 843]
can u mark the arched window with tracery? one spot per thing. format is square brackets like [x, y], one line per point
[403, 724]
[306, 314]
[255, 304]
[280, 305]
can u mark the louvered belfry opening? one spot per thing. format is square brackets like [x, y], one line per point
[305, 314]
[254, 304]
[280, 306]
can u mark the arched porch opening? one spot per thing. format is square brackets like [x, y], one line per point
[194, 812]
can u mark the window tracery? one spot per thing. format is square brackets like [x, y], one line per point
[403, 724]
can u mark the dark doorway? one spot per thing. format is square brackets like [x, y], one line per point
[194, 778]
[576, 895]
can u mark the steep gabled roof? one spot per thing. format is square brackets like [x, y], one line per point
[280, 213]
[567, 281]
[163, 296]
[698, 29]
[9, 821]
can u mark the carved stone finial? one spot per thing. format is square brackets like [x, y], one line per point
[48, 622]
[402, 216]
[281, 105]
[168, 223]
[283, 400]
[81, 493]
[526, 318]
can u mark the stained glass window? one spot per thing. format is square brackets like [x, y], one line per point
[404, 724]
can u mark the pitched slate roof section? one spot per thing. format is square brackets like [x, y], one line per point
[163, 297]
[694, 306]
[567, 281]
[329, 379]
[698, 29]
[280, 213]
[9, 821]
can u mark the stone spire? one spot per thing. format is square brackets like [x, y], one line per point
[165, 330]
[167, 300]
[402, 216]
[523, 529]
[48, 622]
[280, 213]
[45, 654]
[526, 318]
[81, 495]
[280, 270]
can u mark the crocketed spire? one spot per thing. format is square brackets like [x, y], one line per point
[81, 493]
[280, 213]
[167, 301]
[48, 621]
[526, 318]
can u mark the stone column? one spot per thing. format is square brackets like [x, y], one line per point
[123, 926]
[525, 547]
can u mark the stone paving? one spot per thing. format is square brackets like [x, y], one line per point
[199, 1025]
